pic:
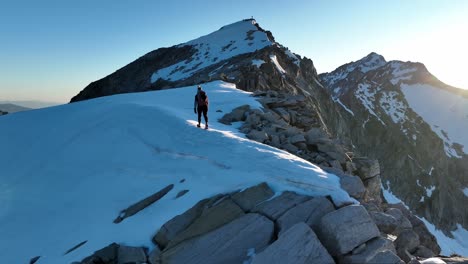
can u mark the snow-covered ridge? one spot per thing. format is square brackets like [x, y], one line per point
[229, 41]
[97, 157]
[445, 112]
[370, 62]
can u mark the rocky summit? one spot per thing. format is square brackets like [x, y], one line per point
[374, 124]
[418, 122]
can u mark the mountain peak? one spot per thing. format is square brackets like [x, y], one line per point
[238, 38]
[371, 62]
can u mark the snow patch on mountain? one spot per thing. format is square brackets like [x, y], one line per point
[445, 112]
[465, 191]
[366, 95]
[291, 55]
[231, 40]
[458, 244]
[274, 59]
[393, 107]
[401, 71]
[337, 100]
[85, 162]
[258, 63]
[429, 191]
[370, 62]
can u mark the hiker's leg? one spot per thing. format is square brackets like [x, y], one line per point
[205, 114]
[199, 114]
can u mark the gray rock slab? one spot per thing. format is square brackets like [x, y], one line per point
[402, 222]
[277, 206]
[407, 239]
[372, 248]
[297, 139]
[227, 244]
[386, 257]
[346, 228]
[131, 255]
[154, 257]
[250, 197]
[366, 168]
[385, 222]
[298, 245]
[259, 136]
[315, 135]
[353, 186]
[310, 212]
[179, 223]
[106, 255]
[210, 219]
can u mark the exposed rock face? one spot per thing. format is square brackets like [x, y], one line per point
[299, 244]
[228, 244]
[415, 155]
[310, 212]
[255, 238]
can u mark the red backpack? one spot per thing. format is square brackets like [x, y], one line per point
[202, 99]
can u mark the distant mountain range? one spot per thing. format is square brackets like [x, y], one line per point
[12, 108]
[30, 104]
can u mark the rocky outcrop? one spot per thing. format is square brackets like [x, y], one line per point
[299, 244]
[412, 153]
[227, 244]
[345, 229]
[249, 226]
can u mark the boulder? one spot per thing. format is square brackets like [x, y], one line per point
[374, 191]
[277, 206]
[371, 249]
[385, 222]
[309, 212]
[239, 113]
[336, 164]
[259, 136]
[425, 237]
[387, 257]
[423, 252]
[131, 255]
[105, 255]
[299, 138]
[177, 224]
[252, 120]
[210, 219]
[346, 228]
[283, 114]
[366, 168]
[154, 257]
[402, 222]
[227, 244]
[406, 243]
[250, 197]
[290, 148]
[315, 135]
[298, 245]
[353, 185]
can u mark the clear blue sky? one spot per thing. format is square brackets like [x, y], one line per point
[50, 50]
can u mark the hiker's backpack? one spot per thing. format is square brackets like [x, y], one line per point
[202, 99]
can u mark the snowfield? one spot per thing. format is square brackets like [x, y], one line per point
[445, 112]
[67, 171]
